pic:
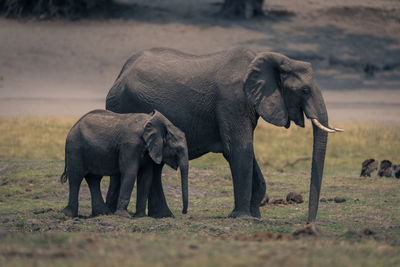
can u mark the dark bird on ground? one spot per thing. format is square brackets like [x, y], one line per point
[396, 171]
[385, 168]
[368, 166]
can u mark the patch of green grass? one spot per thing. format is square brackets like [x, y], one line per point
[34, 231]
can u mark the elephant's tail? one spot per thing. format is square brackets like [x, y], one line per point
[64, 177]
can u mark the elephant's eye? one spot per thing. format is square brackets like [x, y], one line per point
[305, 90]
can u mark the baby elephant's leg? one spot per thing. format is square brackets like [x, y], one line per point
[98, 205]
[74, 186]
[128, 177]
[143, 187]
[113, 192]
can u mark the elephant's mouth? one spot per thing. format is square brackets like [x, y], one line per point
[296, 115]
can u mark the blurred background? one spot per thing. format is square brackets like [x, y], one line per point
[61, 57]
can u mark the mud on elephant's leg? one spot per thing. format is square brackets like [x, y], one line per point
[158, 207]
[113, 192]
[98, 205]
[258, 190]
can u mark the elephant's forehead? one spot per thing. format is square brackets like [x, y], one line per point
[303, 75]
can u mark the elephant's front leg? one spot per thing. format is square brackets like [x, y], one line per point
[241, 163]
[258, 190]
[113, 192]
[158, 207]
[128, 177]
[145, 178]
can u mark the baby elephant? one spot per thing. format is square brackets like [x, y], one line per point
[104, 143]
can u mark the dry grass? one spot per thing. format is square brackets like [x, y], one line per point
[34, 231]
[38, 138]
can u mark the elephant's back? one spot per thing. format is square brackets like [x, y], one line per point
[105, 125]
[167, 76]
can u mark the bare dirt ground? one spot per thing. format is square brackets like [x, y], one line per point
[66, 68]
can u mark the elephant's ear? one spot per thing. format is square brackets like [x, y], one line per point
[262, 86]
[154, 138]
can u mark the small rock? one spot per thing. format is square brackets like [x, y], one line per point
[262, 236]
[359, 235]
[368, 232]
[32, 221]
[294, 197]
[193, 217]
[192, 246]
[90, 239]
[265, 200]
[339, 199]
[42, 211]
[307, 231]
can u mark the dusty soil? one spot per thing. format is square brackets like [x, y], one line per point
[66, 68]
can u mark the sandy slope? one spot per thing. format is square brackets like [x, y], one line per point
[58, 67]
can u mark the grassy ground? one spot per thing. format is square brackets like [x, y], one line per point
[363, 231]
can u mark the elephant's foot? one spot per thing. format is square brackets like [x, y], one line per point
[255, 212]
[100, 210]
[165, 213]
[122, 213]
[112, 206]
[68, 212]
[139, 215]
[236, 214]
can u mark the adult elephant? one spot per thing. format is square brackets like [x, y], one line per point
[216, 100]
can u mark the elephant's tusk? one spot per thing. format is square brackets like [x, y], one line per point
[322, 127]
[338, 130]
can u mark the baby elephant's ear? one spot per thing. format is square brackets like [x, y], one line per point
[154, 141]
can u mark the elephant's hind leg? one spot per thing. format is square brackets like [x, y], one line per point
[113, 192]
[258, 190]
[98, 205]
[74, 185]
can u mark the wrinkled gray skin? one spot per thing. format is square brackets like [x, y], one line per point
[104, 143]
[216, 100]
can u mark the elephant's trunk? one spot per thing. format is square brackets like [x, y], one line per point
[184, 168]
[315, 110]
[318, 159]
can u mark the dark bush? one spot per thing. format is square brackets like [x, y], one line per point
[71, 9]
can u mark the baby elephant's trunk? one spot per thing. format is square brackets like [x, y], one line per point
[184, 167]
